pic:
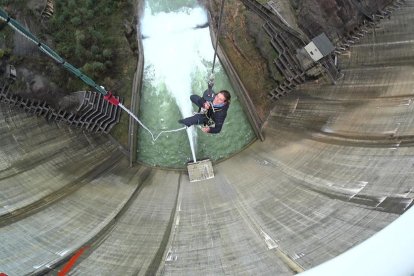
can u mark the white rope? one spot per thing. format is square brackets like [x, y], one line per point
[146, 128]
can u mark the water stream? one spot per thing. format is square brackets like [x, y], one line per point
[178, 61]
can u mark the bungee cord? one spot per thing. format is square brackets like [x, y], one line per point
[147, 129]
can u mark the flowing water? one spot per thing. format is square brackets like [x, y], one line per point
[178, 61]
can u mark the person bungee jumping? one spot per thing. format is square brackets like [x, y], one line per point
[212, 111]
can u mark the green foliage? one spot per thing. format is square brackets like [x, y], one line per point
[95, 50]
[87, 32]
[2, 53]
[89, 15]
[108, 64]
[96, 36]
[93, 69]
[80, 51]
[5, 2]
[72, 4]
[107, 11]
[107, 53]
[76, 21]
[80, 37]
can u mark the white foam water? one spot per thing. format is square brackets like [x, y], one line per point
[176, 51]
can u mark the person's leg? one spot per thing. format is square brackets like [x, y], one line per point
[197, 119]
[197, 100]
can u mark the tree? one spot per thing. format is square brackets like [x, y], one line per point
[76, 21]
[107, 54]
[94, 69]
[80, 37]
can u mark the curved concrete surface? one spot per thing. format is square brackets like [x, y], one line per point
[335, 168]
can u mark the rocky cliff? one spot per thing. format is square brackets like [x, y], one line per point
[334, 17]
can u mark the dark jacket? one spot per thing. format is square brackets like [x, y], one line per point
[218, 116]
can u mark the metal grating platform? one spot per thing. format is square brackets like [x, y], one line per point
[200, 170]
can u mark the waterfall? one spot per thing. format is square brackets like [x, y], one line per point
[176, 51]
